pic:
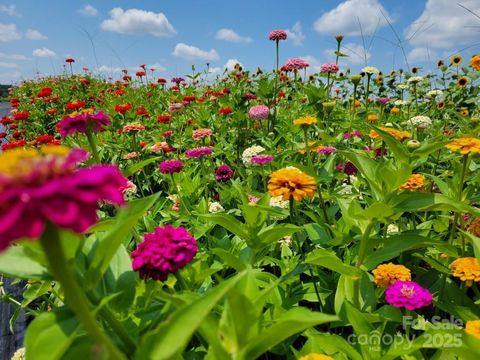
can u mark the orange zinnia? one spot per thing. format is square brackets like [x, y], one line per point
[397, 134]
[465, 145]
[414, 182]
[475, 62]
[291, 182]
[305, 120]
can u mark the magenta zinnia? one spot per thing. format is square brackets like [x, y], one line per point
[80, 123]
[277, 35]
[258, 112]
[261, 159]
[223, 173]
[44, 185]
[163, 252]
[198, 152]
[171, 166]
[407, 294]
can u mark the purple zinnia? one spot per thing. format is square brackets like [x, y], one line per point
[329, 68]
[40, 186]
[82, 122]
[259, 112]
[177, 80]
[348, 168]
[171, 166]
[223, 173]
[261, 159]
[277, 35]
[163, 252]
[327, 150]
[383, 100]
[407, 294]
[198, 152]
[347, 135]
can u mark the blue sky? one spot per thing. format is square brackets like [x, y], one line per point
[170, 36]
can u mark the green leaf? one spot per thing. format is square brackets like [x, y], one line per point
[106, 247]
[170, 337]
[396, 147]
[132, 169]
[275, 232]
[229, 223]
[330, 344]
[16, 263]
[50, 335]
[331, 261]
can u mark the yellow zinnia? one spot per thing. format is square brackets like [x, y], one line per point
[472, 327]
[305, 120]
[465, 145]
[314, 356]
[291, 182]
[387, 274]
[466, 269]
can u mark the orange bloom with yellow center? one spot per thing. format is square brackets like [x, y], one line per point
[305, 121]
[414, 182]
[472, 327]
[466, 269]
[372, 117]
[291, 182]
[465, 145]
[474, 227]
[387, 274]
[475, 62]
[397, 134]
[314, 356]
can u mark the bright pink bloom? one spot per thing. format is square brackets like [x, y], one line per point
[259, 112]
[223, 173]
[296, 64]
[329, 68]
[198, 152]
[407, 294]
[201, 133]
[70, 125]
[327, 150]
[163, 252]
[49, 187]
[277, 35]
[132, 128]
[171, 166]
[261, 159]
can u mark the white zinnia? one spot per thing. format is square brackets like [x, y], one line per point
[251, 152]
[370, 70]
[420, 121]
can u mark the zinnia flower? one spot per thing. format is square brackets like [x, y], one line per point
[198, 152]
[387, 274]
[43, 185]
[291, 182]
[370, 70]
[251, 152]
[261, 159]
[414, 182]
[462, 81]
[329, 68]
[80, 123]
[475, 62]
[122, 108]
[420, 122]
[201, 133]
[258, 112]
[223, 173]
[277, 35]
[296, 64]
[465, 145]
[456, 60]
[315, 356]
[171, 166]
[474, 227]
[163, 252]
[305, 120]
[132, 128]
[327, 150]
[472, 327]
[397, 134]
[407, 294]
[466, 269]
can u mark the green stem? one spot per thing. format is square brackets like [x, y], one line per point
[361, 255]
[181, 280]
[93, 146]
[74, 295]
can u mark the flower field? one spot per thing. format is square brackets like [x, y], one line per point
[261, 215]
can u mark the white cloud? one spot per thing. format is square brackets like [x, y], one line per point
[10, 77]
[14, 57]
[230, 64]
[43, 52]
[345, 18]
[231, 36]
[421, 54]
[8, 65]
[192, 52]
[444, 24]
[136, 21]
[88, 10]
[108, 69]
[356, 54]
[35, 35]
[9, 10]
[156, 67]
[295, 34]
[8, 32]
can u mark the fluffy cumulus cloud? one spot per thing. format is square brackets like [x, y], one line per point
[8, 32]
[232, 36]
[136, 21]
[34, 35]
[8, 9]
[189, 52]
[7, 65]
[88, 10]
[43, 52]
[345, 18]
[356, 54]
[421, 54]
[445, 24]
[295, 34]
[13, 57]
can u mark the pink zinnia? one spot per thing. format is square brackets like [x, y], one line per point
[296, 64]
[259, 112]
[132, 128]
[327, 150]
[223, 173]
[201, 133]
[43, 186]
[329, 68]
[198, 152]
[261, 159]
[407, 294]
[171, 166]
[163, 252]
[277, 35]
[82, 122]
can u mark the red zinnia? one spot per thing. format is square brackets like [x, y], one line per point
[225, 111]
[45, 92]
[70, 60]
[21, 115]
[75, 105]
[163, 119]
[123, 108]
